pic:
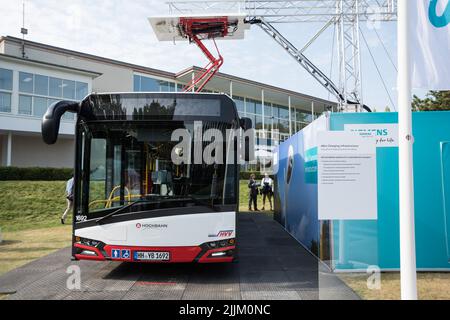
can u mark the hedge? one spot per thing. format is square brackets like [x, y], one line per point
[245, 175]
[35, 174]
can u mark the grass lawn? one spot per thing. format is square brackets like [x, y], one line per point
[244, 196]
[431, 286]
[20, 247]
[29, 221]
[31, 204]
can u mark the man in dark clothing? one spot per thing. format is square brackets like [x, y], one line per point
[253, 194]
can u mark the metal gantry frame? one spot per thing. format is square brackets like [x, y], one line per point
[345, 15]
[299, 57]
[349, 54]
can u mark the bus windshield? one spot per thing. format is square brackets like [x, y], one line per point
[128, 165]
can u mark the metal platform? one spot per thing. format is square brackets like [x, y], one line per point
[272, 265]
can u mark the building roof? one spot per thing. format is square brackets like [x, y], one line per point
[182, 75]
[90, 73]
[83, 55]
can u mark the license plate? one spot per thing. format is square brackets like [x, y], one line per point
[151, 256]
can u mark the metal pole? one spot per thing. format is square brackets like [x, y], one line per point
[263, 114]
[357, 59]
[290, 116]
[9, 150]
[408, 275]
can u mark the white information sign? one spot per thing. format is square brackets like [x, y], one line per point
[385, 134]
[347, 176]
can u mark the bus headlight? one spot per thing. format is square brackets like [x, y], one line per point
[221, 243]
[87, 242]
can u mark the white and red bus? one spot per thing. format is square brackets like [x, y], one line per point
[132, 202]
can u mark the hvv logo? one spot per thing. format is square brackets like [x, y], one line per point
[438, 21]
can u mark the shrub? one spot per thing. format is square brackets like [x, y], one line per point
[34, 174]
[245, 175]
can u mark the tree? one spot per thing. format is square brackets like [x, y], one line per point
[434, 101]
[387, 109]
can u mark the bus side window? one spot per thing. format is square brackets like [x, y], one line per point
[97, 179]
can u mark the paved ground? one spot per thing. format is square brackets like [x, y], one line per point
[272, 265]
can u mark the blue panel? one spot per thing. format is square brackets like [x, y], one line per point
[367, 243]
[445, 171]
[429, 129]
[296, 201]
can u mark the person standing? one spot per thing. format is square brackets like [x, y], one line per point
[69, 198]
[253, 193]
[267, 190]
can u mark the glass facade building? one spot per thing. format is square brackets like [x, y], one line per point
[37, 92]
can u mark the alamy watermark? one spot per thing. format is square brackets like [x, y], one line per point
[73, 282]
[214, 146]
[374, 278]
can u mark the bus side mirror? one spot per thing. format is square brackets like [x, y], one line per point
[52, 119]
[246, 123]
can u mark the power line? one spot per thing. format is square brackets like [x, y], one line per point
[385, 49]
[378, 70]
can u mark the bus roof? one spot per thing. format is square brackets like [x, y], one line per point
[152, 106]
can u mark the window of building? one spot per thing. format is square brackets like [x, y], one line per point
[136, 83]
[25, 105]
[40, 106]
[258, 122]
[268, 123]
[41, 91]
[68, 87]
[258, 107]
[240, 104]
[300, 116]
[56, 87]
[6, 79]
[41, 85]
[147, 84]
[275, 111]
[82, 90]
[284, 126]
[275, 123]
[5, 102]
[166, 86]
[250, 106]
[26, 82]
[283, 112]
[267, 109]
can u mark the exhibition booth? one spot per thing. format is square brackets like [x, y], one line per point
[337, 189]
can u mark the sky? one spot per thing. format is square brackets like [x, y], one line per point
[119, 29]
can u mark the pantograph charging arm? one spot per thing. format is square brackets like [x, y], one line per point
[200, 81]
[196, 30]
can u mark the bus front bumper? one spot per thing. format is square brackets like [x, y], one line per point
[212, 252]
